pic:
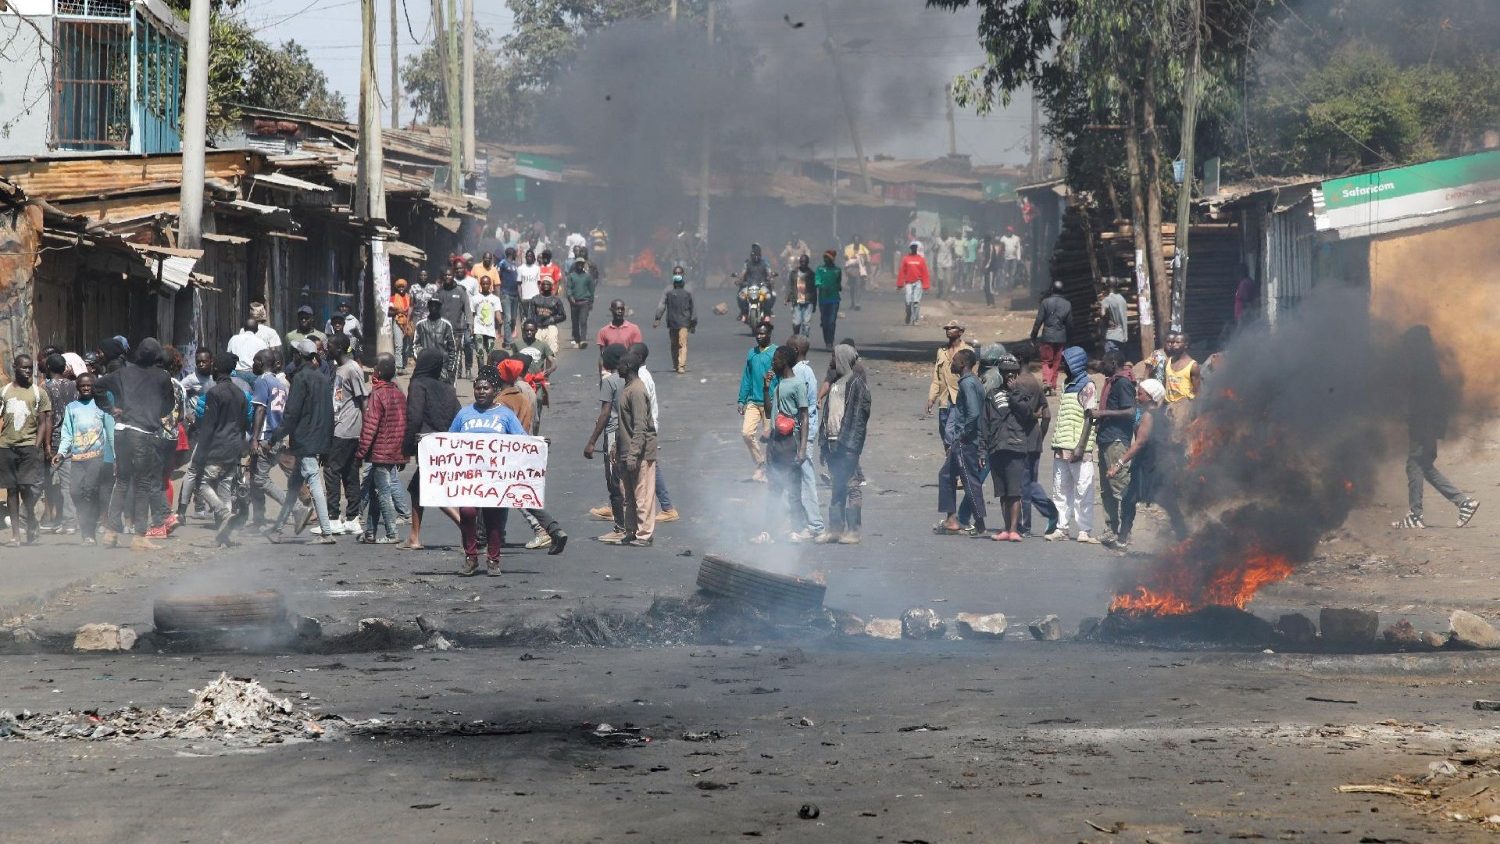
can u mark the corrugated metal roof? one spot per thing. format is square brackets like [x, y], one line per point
[281, 180]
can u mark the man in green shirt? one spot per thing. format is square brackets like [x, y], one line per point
[25, 439]
[578, 289]
[829, 280]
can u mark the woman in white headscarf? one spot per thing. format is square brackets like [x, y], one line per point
[846, 419]
[1146, 461]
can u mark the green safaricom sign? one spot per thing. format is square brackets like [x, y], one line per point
[1408, 197]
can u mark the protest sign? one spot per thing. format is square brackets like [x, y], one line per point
[482, 470]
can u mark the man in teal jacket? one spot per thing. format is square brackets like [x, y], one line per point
[757, 364]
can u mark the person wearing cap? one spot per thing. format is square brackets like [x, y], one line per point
[677, 306]
[1050, 331]
[308, 423]
[1010, 254]
[350, 328]
[943, 390]
[436, 332]
[305, 329]
[1143, 460]
[1116, 423]
[911, 279]
[801, 295]
[1011, 417]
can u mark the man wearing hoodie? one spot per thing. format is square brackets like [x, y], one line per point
[308, 421]
[140, 395]
[431, 404]
[381, 432]
[677, 306]
[846, 419]
[1073, 447]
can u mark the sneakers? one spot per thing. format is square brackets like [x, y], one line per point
[169, 524]
[828, 537]
[604, 513]
[541, 540]
[353, 526]
[325, 540]
[1083, 536]
[387, 540]
[1055, 534]
[559, 542]
[492, 566]
[470, 567]
[614, 537]
[158, 532]
[637, 543]
[668, 515]
[850, 537]
[1412, 521]
[1466, 511]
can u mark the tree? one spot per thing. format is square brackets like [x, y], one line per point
[1102, 66]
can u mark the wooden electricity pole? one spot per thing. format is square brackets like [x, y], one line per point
[395, 94]
[838, 75]
[468, 87]
[1185, 193]
[704, 152]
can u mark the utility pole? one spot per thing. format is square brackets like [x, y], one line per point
[468, 86]
[838, 75]
[1185, 193]
[704, 151]
[672, 12]
[446, 36]
[1034, 169]
[952, 124]
[835, 194]
[194, 129]
[395, 70]
[369, 188]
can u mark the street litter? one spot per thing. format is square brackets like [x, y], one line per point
[232, 710]
[705, 735]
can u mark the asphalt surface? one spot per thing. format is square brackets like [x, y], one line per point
[897, 741]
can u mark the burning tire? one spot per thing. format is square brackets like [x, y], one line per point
[763, 589]
[218, 612]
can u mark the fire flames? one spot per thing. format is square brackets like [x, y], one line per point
[1176, 588]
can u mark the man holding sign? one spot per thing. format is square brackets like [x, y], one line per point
[484, 416]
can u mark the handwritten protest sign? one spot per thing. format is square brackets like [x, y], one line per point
[482, 470]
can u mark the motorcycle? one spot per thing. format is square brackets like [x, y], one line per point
[756, 297]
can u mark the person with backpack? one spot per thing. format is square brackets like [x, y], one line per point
[964, 449]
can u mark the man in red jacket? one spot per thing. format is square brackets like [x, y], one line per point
[380, 441]
[912, 278]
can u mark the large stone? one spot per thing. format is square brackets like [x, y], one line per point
[973, 625]
[922, 623]
[1296, 628]
[1088, 626]
[23, 636]
[1471, 631]
[1046, 629]
[1349, 627]
[103, 637]
[1435, 640]
[884, 628]
[847, 623]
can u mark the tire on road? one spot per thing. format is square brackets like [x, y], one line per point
[217, 612]
[763, 589]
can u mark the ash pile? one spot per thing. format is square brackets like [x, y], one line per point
[234, 711]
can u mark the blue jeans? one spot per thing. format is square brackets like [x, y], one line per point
[510, 306]
[663, 498]
[829, 316]
[913, 294]
[1033, 495]
[812, 510]
[305, 471]
[801, 317]
[380, 499]
[943, 425]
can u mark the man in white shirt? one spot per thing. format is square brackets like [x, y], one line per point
[263, 321]
[529, 275]
[948, 248]
[1010, 245]
[246, 343]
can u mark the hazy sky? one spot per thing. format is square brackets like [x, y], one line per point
[329, 29]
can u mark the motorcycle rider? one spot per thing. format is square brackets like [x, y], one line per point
[757, 271]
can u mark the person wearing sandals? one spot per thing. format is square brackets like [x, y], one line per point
[786, 448]
[1148, 462]
[380, 436]
[964, 449]
[484, 416]
[1427, 422]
